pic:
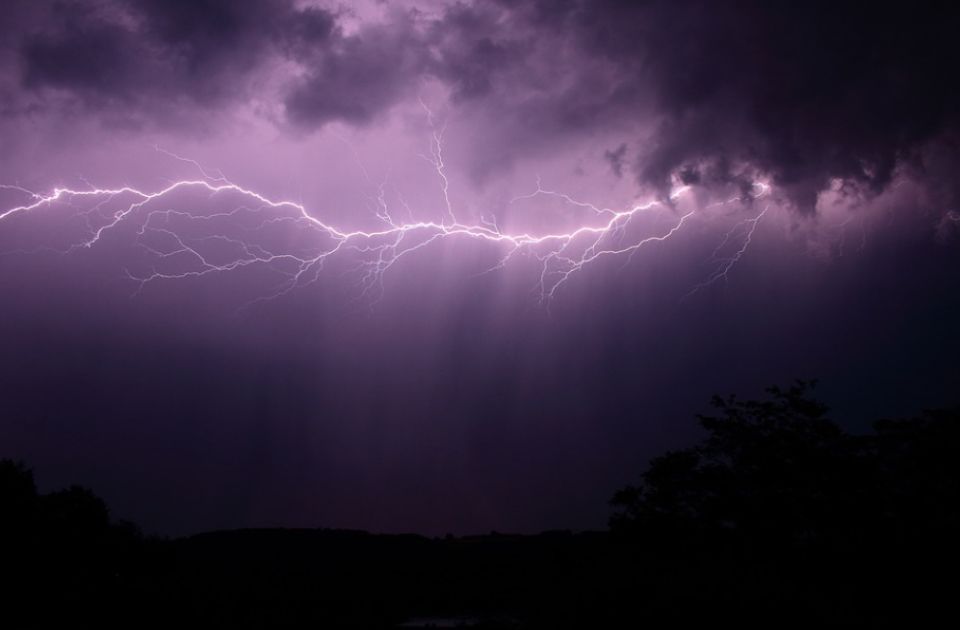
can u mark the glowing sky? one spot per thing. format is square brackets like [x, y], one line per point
[455, 265]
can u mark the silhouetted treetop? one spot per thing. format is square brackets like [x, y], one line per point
[18, 496]
[779, 470]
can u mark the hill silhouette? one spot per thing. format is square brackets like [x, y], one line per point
[778, 517]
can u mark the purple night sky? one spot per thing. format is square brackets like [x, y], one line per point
[456, 266]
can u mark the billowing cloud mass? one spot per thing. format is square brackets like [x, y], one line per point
[443, 265]
[803, 92]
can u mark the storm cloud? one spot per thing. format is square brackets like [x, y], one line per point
[802, 92]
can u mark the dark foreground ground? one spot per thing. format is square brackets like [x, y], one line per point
[345, 579]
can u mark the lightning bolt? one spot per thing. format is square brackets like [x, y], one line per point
[561, 255]
[726, 263]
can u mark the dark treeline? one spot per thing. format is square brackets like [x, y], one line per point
[777, 518]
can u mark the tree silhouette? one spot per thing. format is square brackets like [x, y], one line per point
[63, 558]
[774, 469]
[780, 490]
[18, 499]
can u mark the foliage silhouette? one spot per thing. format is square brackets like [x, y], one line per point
[852, 522]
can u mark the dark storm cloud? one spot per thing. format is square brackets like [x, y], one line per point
[145, 58]
[149, 57]
[355, 78]
[86, 54]
[803, 92]
[473, 45]
[616, 158]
